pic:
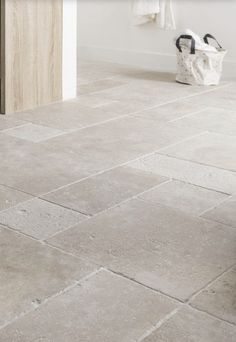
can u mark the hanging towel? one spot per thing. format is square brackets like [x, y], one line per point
[157, 11]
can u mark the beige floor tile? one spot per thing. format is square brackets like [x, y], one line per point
[32, 132]
[222, 98]
[105, 190]
[185, 197]
[32, 272]
[159, 247]
[10, 197]
[171, 111]
[36, 169]
[104, 308]
[39, 218]
[7, 122]
[99, 85]
[194, 326]
[190, 172]
[116, 142]
[219, 298]
[214, 120]
[70, 115]
[224, 212]
[210, 148]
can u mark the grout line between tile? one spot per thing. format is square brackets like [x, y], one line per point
[210, 283]
[158, 325]
[53, 296]
[229, 196]
[161, 152]
[120, 274]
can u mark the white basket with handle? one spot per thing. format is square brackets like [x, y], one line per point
[198, 66]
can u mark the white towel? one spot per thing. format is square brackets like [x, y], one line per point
[158, 11]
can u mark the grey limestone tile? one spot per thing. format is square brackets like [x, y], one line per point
[74, 114]
[32, 132]
[155, 245]
[210, 148]
[219, 298]
[39, 218]
[98, 85]
[212, 119]
[188, 171]
[225, 212]
[186, 197]
[7, 122]
[104, 308]
[105, 190]
[116, 142]
[31, 273]
[10, 197]
[36, 169]
[190, 325]
[171, 111]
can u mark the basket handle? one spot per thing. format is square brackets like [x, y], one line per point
[208, 35]
[186, 36]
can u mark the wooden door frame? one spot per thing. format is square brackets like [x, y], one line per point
[2, 56]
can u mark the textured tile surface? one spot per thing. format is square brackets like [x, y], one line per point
[113, 146]
[185, 197]
[105, 190]
[104, 308]
[10, 197]
[32, 272]
[189, 325]
[171, 111]
[32, 132]
[224, 212]
[154, 245]
[72, 115]
[219, 299]
[190, 172]
[7, 122]
[39, 218]
[210, 148]
[36, 169]
[213, 120]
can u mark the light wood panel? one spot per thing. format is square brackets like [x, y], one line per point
[33, 53]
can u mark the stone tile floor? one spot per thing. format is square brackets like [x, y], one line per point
[118, 213]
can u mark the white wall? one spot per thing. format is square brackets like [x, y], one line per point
[69, 63]
[105, 32]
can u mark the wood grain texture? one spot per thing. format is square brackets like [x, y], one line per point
[33, 53]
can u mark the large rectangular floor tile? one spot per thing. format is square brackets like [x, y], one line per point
[105, 190]
[223, 98]
[32, 132]
[158, 246]
[32, 272]
[71, 115]
[98, 85]
[224, 212]
[171, 111]
[103, 308]
[219, 298]
[116, 142]
[190, 172]
[36, 169]
[214, 120]
[10, 197]
[190, 325]
[210, 148]
[185, 197]
[39, 218]
[7, 122]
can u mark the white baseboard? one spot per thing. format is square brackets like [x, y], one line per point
[145, 59]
